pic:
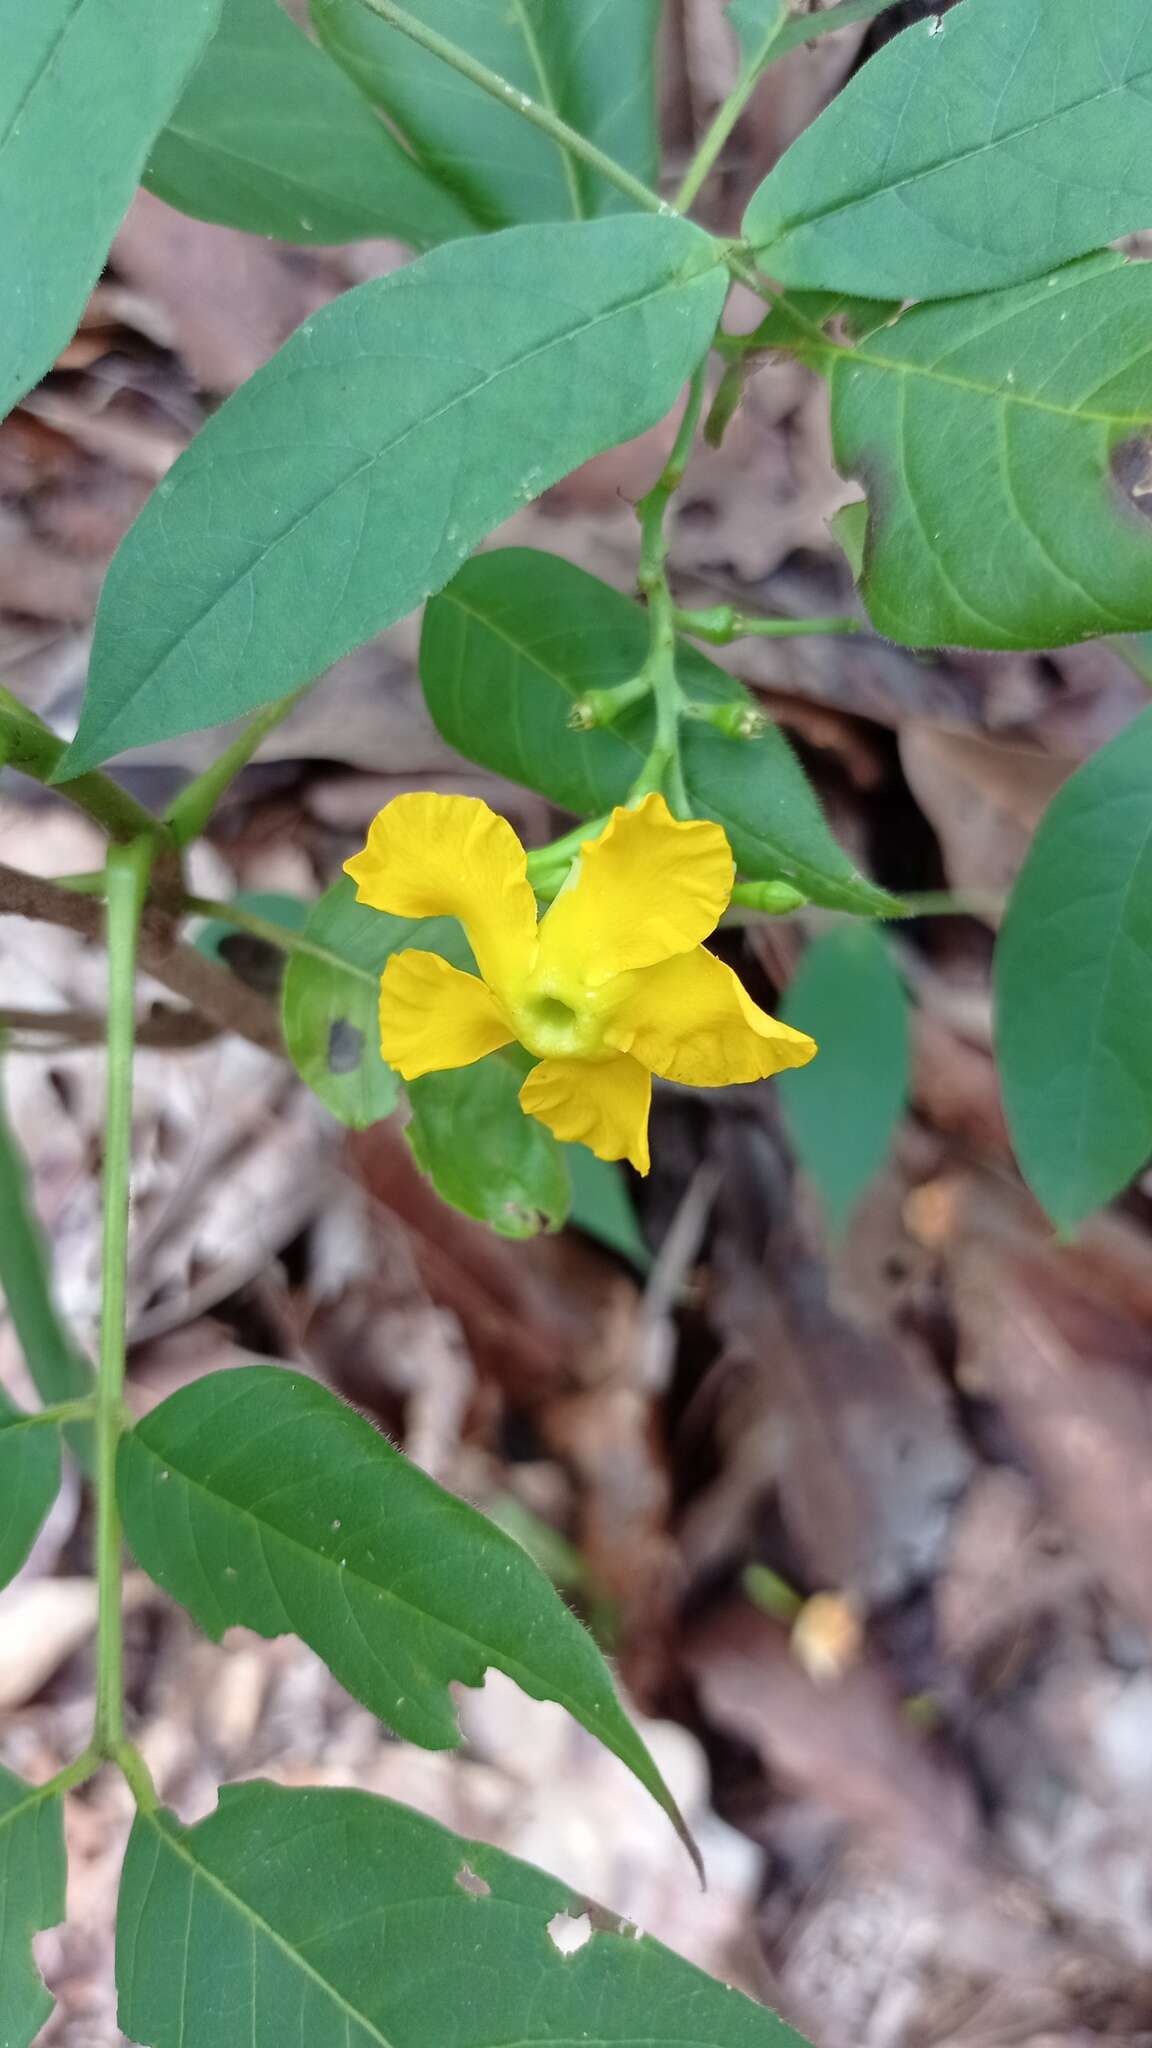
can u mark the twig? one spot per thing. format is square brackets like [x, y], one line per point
[216, 994]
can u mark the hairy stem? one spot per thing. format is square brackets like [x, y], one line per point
[542, 117]
[126, 884]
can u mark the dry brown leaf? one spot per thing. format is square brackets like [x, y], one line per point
[850, 1747]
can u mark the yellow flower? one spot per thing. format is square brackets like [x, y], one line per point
[611, 986]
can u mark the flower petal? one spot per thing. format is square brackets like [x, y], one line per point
[689, 1020]
[648, 888]
[450, 856]
[432, 1016]
[599, 1103]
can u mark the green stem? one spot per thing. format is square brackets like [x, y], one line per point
[662, 769]
[726, 116]
[128, 868]
[558, 856]
[720, 624]
[189, 814]
[274, 934]
[28, 744]
[603, 707]
[542, 117]
[953, 903]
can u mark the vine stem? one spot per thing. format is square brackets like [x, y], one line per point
[189, 813]
[126, 882]
[542, 117]
[727, 115]
[662, 769]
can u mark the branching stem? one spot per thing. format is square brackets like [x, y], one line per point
[662, 769]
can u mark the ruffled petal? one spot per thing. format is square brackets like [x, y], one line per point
[689, 1020]
[648, 888]
[603, 1104]
[432, 1016]
[450, 856]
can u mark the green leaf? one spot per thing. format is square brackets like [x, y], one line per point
[1004, 443]
[1074, 986]
[519, 636]
[332, 997]
[58, 1369]
[352, 475]
[482, 1154]
[844, 1113]
[32, 1879]
[590, 61]
[979, 148]
[85, 86]
[257, 1498]
[335, 1917]
[602, 1206]
[272, 136]
[29, 1483]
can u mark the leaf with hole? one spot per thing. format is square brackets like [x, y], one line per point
[83, 90]
[1074, 986]
[33, 1872]
[272, 136]
[1005, 444]
[590, 61]
[402, 1934]
[851, 998]
[352, 475]
[258, 1499]
[29, 1483]
[470, 1136]
[979, 148]
[332, 998]
[519, 636]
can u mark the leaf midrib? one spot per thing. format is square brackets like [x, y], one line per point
[257, 1921]
[844, 207]
[493, 1657]
[550, 100]
[370, 463]
[42, 70]
[998, 393]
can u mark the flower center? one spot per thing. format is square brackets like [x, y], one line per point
[553, 1029]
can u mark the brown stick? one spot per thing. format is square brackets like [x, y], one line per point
[161, 1027]
[216, 994]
